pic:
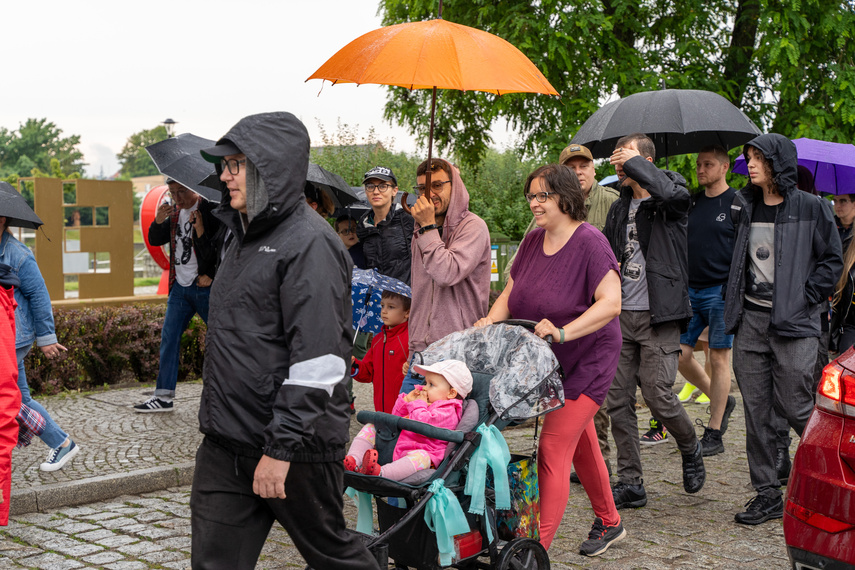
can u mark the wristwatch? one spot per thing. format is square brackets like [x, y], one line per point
[427, 228]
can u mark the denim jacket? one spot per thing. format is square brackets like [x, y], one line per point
[33, 316]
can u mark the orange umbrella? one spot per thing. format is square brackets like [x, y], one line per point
[435, 54]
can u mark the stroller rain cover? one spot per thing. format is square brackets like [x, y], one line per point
[526, 375]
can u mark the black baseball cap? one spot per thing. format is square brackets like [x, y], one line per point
[215, 153]
[381, 173]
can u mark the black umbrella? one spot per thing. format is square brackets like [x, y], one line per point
[15, 208]
[332, 184]
[179, 159]
[680, 121]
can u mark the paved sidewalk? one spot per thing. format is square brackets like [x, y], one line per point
[133, 473]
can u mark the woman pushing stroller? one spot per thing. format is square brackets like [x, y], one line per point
[566, 279]
[438, 403]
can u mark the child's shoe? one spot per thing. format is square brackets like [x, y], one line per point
[350, 463]
[370, 466]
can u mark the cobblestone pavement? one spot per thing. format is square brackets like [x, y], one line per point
[152, 530]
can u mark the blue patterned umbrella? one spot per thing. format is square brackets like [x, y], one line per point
[366, 288]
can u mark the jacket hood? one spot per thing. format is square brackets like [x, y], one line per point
[8, 278]
[782, 156]
[277, 148]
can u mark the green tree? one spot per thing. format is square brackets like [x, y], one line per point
[788, 64]
[133, 157]
[34, 145]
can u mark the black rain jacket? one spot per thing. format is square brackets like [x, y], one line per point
[807, 249]
[386, 245]
[279, 327]
[662, 223]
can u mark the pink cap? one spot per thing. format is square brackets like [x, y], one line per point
[454, 372]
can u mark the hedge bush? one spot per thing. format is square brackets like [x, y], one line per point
[109, 345]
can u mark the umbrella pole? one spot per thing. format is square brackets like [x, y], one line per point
[426, 192]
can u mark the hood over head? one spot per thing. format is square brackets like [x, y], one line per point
[782, 156]
[458, 205]
[276, 146]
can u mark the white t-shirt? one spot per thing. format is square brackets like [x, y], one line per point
[186, 266]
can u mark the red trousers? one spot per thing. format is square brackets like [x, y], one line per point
[10, 397]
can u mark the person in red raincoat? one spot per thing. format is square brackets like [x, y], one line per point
[10, 395]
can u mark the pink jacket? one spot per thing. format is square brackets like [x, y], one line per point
[451, 274]
[443, 413]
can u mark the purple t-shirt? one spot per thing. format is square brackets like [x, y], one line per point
[560, 287]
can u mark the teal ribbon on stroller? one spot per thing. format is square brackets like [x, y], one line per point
[444, 516]
[494, 452]
[364, 510]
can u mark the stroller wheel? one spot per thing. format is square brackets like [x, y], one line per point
[523, 554]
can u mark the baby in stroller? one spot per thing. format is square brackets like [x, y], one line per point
[438, 403]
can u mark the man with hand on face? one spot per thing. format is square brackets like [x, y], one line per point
[646, 228]
[274, 409]
[450, 260]
[187, 227]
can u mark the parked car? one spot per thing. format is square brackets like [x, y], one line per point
[819, 518]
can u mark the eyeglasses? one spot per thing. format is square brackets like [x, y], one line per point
[541, 196]
[435, 185]
[179, 192]
[843, 201]
[346, 231]
[232, 165]
[382, 188]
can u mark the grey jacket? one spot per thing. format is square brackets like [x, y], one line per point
[808, 253]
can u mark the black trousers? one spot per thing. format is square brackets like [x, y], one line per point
[230, 523]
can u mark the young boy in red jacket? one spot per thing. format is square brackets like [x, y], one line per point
[383, 363]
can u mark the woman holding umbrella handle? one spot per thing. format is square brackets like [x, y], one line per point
[565, 278]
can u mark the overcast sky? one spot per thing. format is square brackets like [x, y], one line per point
[106, 69]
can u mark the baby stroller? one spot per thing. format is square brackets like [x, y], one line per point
[515, 377]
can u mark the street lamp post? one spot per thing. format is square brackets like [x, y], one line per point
[170, 127]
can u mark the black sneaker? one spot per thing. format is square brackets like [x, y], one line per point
[575, 478]
[761, 509]
[629, 496]
[728, 409]
[694, 472]
[783, 466]
[655, 435]
[711, 443]
[601, 537]
[153, 404]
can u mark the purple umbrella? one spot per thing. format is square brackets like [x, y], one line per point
[832, 165]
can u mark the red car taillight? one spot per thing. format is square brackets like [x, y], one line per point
[817, 520]
[836, 392]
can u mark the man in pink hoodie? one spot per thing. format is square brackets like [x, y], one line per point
[450, 260]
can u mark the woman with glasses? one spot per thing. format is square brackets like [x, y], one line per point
[385, 231]
[565, 278]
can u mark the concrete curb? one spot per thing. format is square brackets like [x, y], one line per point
[94, 489]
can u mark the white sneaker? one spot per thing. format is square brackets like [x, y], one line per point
[58, 457]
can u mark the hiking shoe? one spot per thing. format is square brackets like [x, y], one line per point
[655, 435]
[575, 478]
[694, 472]
[601, 537]
[761, 509]
[728, 409]
[783, 466]
[59, 456]
[711, 443]
[350, 463]
[702, 399]
[153, 404]
[686, 393]
[369, 463]
[629, 496]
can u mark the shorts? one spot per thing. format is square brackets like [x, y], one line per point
[707, 311]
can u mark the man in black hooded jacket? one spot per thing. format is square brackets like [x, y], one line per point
[274, 409]
[786, 260]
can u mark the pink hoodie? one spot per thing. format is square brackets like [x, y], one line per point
[442, 413]
[450, 275]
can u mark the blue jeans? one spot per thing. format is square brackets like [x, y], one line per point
[707, 311]
[53, 436]
[183, 303]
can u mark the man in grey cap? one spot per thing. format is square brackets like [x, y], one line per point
[598, 199]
